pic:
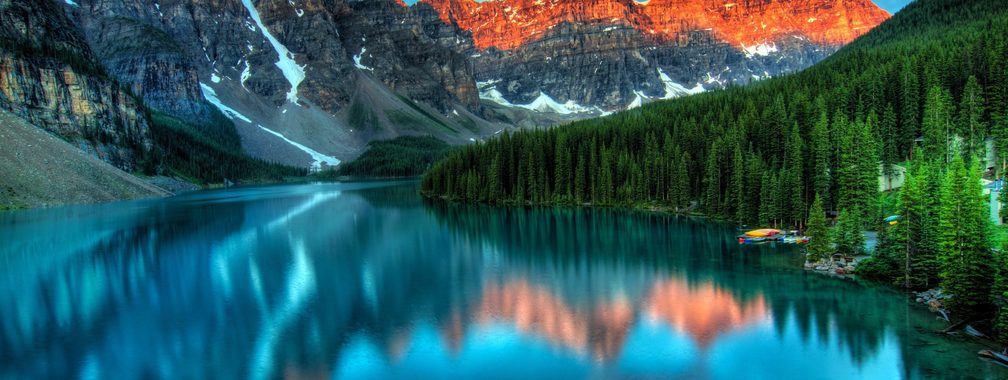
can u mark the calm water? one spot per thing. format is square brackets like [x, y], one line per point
[366, 281]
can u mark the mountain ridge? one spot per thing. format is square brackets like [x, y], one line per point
[508, 24]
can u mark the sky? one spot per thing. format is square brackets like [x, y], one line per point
[890, 5]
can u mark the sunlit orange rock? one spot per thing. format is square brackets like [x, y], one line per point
[507, 24]
[705, 312]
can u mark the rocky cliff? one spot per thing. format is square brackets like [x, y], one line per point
[327, 75]
[50, 77]
[604, 55]
[150, 62]
[312, 81]
[509, 24]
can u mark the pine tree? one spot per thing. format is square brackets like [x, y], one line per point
[712, 180]
[818, 233]
[1000, 133]
[681, 183]
[581, 177]
[848, 236]
[820, 150]
[735, 201]
[999, 295]
[858, 170]
[937, 124]
[867, 173]
[916, 233]
[963, 250]
[793, 204]
[754, 188]
[890, 151]
[563, 170]
[971, 125]
[910, 104]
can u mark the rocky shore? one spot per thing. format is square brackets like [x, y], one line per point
[934, 299]
[835, 266]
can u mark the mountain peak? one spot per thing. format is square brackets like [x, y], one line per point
[508, 24]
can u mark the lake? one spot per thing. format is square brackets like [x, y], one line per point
[369, 281]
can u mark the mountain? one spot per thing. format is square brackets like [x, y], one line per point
[50, 77]
[306, 83]
[191, 89]
[760, 154]
[311, 83]
[607, 55]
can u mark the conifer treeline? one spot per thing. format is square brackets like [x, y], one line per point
[208, 153]
[404, 156]
[924, 90]
[760, 153]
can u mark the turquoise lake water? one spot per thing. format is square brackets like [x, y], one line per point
[369, 281]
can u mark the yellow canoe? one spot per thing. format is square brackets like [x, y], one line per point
[763, 232]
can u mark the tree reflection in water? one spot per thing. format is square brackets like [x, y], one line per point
[365, 280]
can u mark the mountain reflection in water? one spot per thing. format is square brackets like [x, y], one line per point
[367, 281]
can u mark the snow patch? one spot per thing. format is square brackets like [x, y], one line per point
[675, 90]
[246, 74]
[318, 157]
[294, 73]
[638, 100]
[602, 112]
[211, 96]
[215, 78]
[71, 2]
[761, 50]
[357, 60]
[543, 103]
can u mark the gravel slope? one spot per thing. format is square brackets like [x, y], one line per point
[40, 170]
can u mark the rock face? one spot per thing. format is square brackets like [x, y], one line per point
[413, 53]
[150, 62]
[509, 24]
[306, 69]
[50, 77]
[333, 75]
[614, 54]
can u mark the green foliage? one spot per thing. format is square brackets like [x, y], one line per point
[819, 246]
[963, 245]
[48, 51]
[884, 263]
[999, 295]
[937, 126]
[12, 206]
[759, 153]
[858, 168]
[971, 123]
[404, 156]
[916, 235]
[209, 153]
[848, 236]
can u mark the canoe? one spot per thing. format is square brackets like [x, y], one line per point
[743, 239]
[765, 232]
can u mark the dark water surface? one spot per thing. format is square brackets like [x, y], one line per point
[366, 281]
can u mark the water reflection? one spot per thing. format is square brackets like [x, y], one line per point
[366, 281]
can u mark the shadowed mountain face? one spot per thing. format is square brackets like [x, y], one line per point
[310, 81]
[50, 77]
